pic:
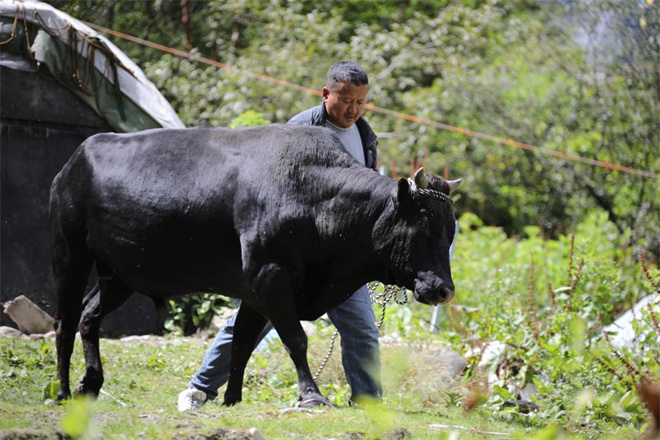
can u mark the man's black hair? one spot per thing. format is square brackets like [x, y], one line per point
[346, 72]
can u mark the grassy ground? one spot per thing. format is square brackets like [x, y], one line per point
[143, 379]
[547, 300]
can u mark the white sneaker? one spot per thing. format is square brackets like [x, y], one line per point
[191, 399]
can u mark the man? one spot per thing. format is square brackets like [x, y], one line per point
[344, 97]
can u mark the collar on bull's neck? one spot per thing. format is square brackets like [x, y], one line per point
[428, 192]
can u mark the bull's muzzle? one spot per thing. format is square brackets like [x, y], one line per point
[433, 291]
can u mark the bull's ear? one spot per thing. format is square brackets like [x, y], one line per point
[453, 184]
[403, 190]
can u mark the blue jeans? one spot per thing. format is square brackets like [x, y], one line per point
[356, 324]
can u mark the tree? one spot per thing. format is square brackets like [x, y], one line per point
[538, 72]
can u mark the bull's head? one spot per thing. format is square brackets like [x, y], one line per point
[414, 237]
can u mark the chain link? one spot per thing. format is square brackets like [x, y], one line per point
[400, 296]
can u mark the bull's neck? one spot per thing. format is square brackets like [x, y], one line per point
[359, 198]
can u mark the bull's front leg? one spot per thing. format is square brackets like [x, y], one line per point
[249, 324]
[295, 341]
[275, 288]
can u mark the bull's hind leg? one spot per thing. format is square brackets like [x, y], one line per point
[71, 271]
[247, 328]
[109, 294]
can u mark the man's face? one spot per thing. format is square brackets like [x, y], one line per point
[345, 103]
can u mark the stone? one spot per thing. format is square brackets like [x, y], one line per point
[622, 331]
[28, 316]
[447, 359]
[256, 435]
[524, 406]
[9, 332]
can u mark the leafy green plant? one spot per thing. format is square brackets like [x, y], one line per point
[549, 322]
[194, 312]
[78, 421]
[248, 118]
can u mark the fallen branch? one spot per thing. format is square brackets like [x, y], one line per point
[105, 393]
[440, 427]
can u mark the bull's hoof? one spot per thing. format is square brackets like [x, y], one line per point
[230, 402]
[62, 396]
[86, 390]
[313, 401]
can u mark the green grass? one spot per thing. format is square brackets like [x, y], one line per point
[545, 300]
[147, 376]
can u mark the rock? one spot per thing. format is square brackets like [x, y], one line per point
[397, 434]
[218, 434]
[446, 358]
[431, 370]
[136, 338]
[31, 434]
[434, 361]
[9, 332]
[523, 406]
[256, 435]
[624, 334]
[492, 355]
[353, 436]
[28, 316]
[529, 390]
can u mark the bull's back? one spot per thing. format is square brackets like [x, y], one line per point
[207, 162]
[159, 167]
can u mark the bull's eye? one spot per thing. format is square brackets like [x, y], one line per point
[422, 221]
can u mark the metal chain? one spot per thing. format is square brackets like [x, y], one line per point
[327, 356]
[400, 296]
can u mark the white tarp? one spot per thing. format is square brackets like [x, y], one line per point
[133, 83]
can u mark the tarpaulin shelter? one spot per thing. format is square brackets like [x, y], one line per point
[60, 82]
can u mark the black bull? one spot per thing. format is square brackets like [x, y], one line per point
[278, 216]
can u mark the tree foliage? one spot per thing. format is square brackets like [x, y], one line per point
[578, 77]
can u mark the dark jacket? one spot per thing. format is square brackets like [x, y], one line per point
[318, 116]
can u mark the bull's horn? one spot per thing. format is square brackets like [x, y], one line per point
[420, 179]
[453, 184]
